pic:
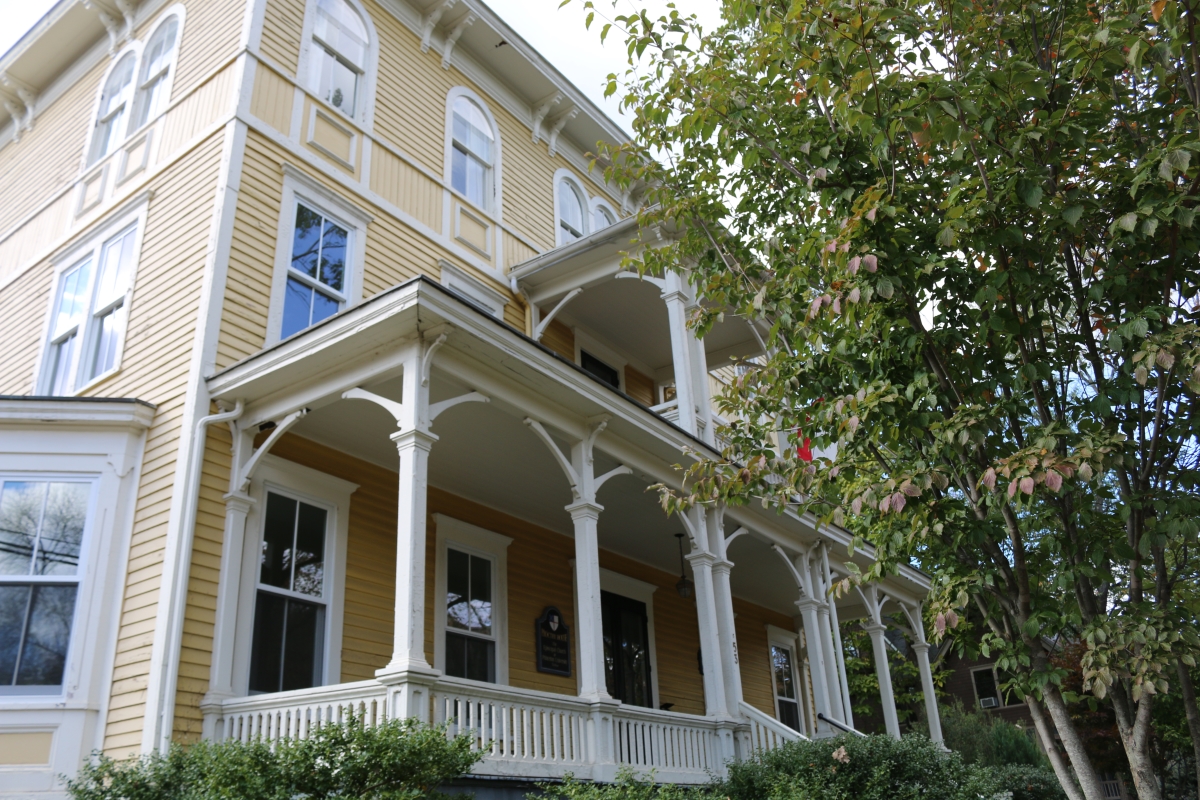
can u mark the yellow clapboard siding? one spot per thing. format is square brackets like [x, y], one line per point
[639, 386]
[561, 339]
[273, 97]
[282, 24]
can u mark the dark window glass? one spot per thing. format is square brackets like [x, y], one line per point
[35, 632]
[789, 714]
[626, 649]
[289, 633]
[599, 369]
[470, 657]
[469, 609]
[318, 271]
[297, 308]
[985, 684]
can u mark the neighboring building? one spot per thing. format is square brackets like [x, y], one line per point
[320, 394]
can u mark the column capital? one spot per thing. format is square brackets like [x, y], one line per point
[874, 628]
[721, 566]
[700, 557]
[238, 501]
[407, 440]
[583, 509]
[920, 647]
[809, 604]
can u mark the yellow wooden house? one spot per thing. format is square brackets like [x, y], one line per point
[323, 392]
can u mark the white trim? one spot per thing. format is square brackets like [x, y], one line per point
[102, 444]
[487, 544]
[460, 281]
[643, 592]
[560, 175]
[299, 187]
[180, 11]
[495, 208]
[92, 247]
[364, 103]
[316, 488]
[135, 47]
[781, 637]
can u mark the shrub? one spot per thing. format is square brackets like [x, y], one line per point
[986, 740]
[398, 760]
[629, 786]
[1021, 781]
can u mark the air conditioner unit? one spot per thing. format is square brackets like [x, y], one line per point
[989, 702]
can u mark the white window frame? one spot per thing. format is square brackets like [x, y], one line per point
[585, 207]
[299, 187]
[495, 207]
[180, 13]
[46, 440]
[135, 47]
[476, 541]
[585, 341]
[779, 637]
[999, 692]
[364, 102]
[319, 489]
[597, 203]
[64, 261]
[462, 282]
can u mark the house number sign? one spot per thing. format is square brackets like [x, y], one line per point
[553, 643]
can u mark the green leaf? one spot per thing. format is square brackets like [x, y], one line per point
[1072, 214]
[1127, 222]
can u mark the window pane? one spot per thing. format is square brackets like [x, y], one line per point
[476, 182]
[570, 209]
[14, 607]
[458, 571]
[310, 551]
[60, 377]
[481, 595]
[339, 83]
[333, 255]
[47, 636]
[599, 369]
[116, 264]
[458, 170]
[297, 308]
[340, 27]
[266, 651]
[279, 531]
[781, 661]
[471, 128]
[109, 330]
[71, 299]
[117, 86]
[324, 307]
[985, 684]
[601, 219]
[21, 508]
[62, 529]
[306, 242]
[789, 714]
[481, 660]
[303, 650]
[155, 61]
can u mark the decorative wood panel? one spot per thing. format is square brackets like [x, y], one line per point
[408, 188]
[273, 99]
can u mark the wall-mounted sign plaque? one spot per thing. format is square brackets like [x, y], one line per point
[553, 643]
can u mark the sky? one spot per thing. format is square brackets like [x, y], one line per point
[558, 33]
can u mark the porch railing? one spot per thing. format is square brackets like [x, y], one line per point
[522, 732]
[767, 733]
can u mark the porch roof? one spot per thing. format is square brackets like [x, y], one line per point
[360, 346]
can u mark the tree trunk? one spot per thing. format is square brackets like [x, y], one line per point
[1193, 714]
[1062, 769]
[1089, 781]
[1134, 730]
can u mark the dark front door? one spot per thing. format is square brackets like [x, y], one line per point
[626, 650]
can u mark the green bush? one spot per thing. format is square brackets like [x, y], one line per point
[629, 786]
[399, 760]
[987, 740]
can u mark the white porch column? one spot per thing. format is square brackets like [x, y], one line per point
[921, 648]
[816, 663]
[723, 600]
[702, 392]
[220, 682]
[590, 633]
[825, 631]
[887, 698]
[836, 630]
[408, 643]
[715, 701]
[676, 297]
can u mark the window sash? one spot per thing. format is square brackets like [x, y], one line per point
[325, 63]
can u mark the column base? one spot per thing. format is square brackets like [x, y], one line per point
[409, 690]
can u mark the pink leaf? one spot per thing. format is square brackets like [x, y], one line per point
[852, 423]
[989, 479]
[814, 308]
[845, 248]
[885, 503]
[1012, 489]
[1027, 485]
[853, 265]
[870, 262]
[856, 505]
[854, 295]
[834, 471]
[831, 247]
[939, 624]
[837, 305]
[1053, 480]
[871, 215]
[898, 502]
[951, 619]
[1085, 471]
[910, 489]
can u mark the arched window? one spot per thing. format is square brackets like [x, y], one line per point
[471, 152]
[339, 55]
[154, 79]
[570, 212]
[112, 118]
[602, 217]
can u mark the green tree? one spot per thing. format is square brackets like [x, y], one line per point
[968, 232]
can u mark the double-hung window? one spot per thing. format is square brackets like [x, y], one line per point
[471, 152]
[112, 118]
[154, 78]
[570, 212]
[602, 218]
[43, 524]
[339, 54]
[470, 628]
[316, 280]
[291, 597]
[88, 320]
[783, 670]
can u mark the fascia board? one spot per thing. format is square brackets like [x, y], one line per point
[86, 413]
[563, 256]
[582, 278]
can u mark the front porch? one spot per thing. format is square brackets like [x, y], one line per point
[421, 435]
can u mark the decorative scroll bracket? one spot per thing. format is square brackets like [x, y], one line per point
[246, 472]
